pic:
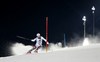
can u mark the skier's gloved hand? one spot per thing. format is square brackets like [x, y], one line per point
[47, 42]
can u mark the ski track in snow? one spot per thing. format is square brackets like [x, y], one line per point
[90, 53]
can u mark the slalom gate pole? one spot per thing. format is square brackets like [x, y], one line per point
[64, 41]
[46, 32]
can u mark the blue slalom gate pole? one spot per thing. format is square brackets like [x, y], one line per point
[64, 41]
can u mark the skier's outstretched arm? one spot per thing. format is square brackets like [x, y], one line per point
[33, 40]
[45, 40]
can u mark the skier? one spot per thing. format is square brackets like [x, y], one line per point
[38, 44]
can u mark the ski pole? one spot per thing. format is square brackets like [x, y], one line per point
[23, 38]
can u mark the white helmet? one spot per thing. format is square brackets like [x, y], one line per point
[38, 35]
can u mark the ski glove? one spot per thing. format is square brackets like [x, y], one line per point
[47, 42]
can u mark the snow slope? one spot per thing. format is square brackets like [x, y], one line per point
[89, 53]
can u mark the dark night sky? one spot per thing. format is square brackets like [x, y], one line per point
[27, 17]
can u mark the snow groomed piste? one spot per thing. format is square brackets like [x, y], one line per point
[90, 53]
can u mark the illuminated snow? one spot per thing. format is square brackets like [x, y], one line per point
[86, 42]
[89, 53]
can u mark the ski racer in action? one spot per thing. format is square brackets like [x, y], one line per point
[38, 44]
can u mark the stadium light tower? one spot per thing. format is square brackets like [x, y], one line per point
[84, 19]
[93, 9]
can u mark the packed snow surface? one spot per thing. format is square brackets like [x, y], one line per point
[90, 53]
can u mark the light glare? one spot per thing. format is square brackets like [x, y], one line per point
[93, 8]
[84, 18]
[86, 42]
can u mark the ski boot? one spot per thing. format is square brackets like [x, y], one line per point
[28, 52]
[35, 51]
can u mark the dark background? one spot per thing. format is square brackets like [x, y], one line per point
[27, 18]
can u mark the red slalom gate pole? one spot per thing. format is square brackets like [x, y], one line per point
[46, 32]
